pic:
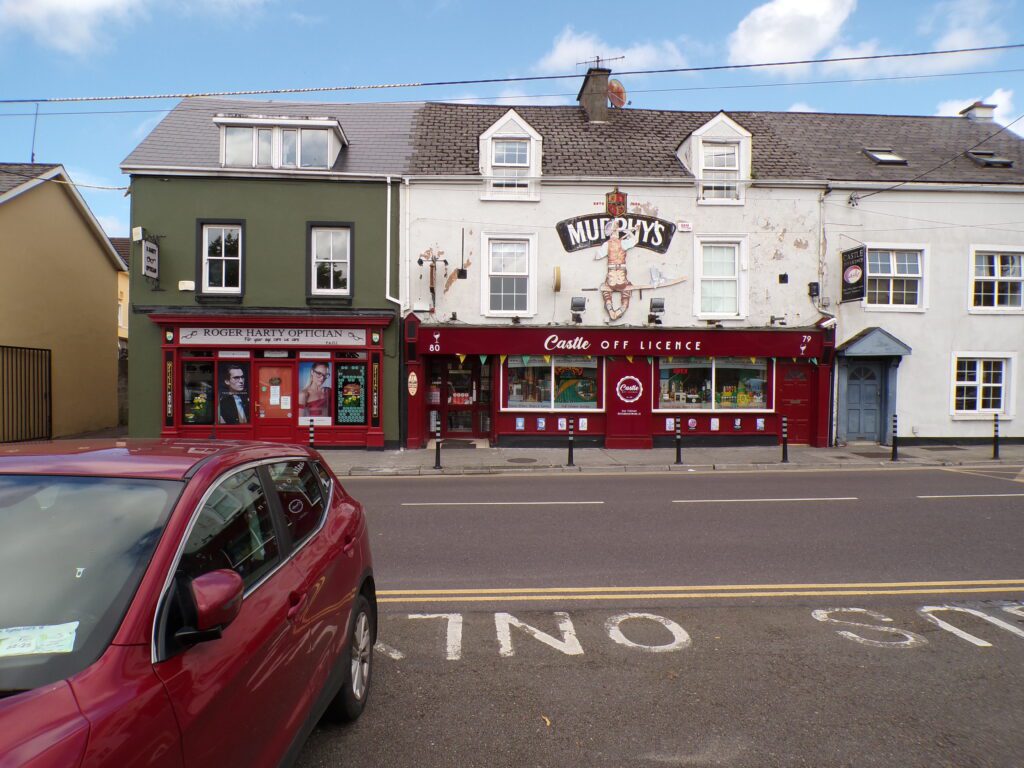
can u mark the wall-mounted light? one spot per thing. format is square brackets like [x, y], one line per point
[657, 309]
[577, 306]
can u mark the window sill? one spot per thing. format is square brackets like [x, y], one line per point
[329, 302]
[1012, 311]
[499, 198]
[882, 308]
[219, 299]
[985, 416]
[720, 201]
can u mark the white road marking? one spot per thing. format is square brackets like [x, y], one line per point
[928, 611]
[758, 501]
[453, 635]
[911, 639]
[973, 496]
[387, 650]
[680, 638]
[568, 644]
[494, 503]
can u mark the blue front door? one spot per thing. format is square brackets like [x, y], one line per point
[863, 401]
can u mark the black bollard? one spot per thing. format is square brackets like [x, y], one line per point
[785, 440]
[310, 433]
[572, 437]
[895, 441]
[679, 441]
[437, 444]
[995, 436]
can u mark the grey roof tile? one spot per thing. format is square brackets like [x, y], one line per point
[13, 175]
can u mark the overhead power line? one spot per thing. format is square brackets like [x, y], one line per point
[493, 80]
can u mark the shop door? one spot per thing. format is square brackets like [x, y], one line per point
[461, 394]
[275, 402]
[793, 399]
[863, 398]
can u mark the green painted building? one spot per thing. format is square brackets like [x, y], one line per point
[264, 281]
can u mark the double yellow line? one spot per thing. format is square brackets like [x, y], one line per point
[562, 594]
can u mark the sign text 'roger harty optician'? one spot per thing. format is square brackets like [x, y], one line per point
[275, 337]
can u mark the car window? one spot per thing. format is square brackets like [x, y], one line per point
[325, 480]
[234, 530]
[298, 486]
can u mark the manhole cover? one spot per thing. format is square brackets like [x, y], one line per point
[873, 454]
[521, 461]
[944, 448]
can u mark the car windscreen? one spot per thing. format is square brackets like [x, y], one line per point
[72, 554]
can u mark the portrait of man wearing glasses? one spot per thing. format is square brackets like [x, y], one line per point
[234, 396]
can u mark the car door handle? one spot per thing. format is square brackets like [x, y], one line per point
[349, 547]
[295, 603]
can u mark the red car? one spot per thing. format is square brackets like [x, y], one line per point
[177, 603]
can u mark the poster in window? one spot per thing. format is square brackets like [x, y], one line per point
[853, 274]
[351, 381]
[315, 395]
[233, 403]
[196, 391]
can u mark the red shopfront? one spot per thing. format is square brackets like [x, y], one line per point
[273, 378]
[622, 388]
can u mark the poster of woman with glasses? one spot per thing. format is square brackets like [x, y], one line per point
[315, 395]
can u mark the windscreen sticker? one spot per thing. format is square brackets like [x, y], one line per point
[25, 641]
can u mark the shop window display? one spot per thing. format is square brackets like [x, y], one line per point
[740, 382]
[197, 393]
[685, 382]
[575, 382]
[529, 382]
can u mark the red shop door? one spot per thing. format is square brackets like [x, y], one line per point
[275, 402]
[793, 399]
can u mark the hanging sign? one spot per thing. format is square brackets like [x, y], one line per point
[150, 259]
[414, 384]
[853, 274]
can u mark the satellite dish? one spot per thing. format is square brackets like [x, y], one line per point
[616, 93]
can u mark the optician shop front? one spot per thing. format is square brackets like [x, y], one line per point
[620, 388]
[272, 378]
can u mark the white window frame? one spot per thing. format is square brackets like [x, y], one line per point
[314, 291]
[976, 250]
[510, 127]
[207, 288]
[335, 141]
[740, 242]
[602, 366]
[718, 183]
[922, 293]
[512, 181]
[1009, 386]
[486, 238]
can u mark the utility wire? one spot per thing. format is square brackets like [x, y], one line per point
[526, 97]
[37, 177]
[534, 78]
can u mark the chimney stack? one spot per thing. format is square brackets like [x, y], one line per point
[593, 95]
[982, 113]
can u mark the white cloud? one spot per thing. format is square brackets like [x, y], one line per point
[802, 106]
[788, 30]
[70, 26]
[571, 47]
[1001, 97]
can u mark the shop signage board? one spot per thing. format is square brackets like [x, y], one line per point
[150, 259]
[592, 230]
[604, 342]
[272, 337]
[853, 274]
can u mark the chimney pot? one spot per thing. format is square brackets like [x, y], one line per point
[982, 113]
[593, 95]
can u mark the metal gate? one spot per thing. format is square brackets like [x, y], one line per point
[26, 411]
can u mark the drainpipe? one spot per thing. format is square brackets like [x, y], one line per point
[405, 238]
[387, 250]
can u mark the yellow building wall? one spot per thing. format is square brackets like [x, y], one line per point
[58, 290]
[122, 303]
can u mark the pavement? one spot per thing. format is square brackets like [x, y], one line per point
[482, 459]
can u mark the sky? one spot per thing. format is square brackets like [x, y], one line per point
[80, 48]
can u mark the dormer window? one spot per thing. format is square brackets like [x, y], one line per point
[885, 156]
[510, 159]
[989, 159]
[718, 154]
[259, 142]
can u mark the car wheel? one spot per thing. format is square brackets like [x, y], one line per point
[357, 657]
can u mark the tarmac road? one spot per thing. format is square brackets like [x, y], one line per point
[695, 619]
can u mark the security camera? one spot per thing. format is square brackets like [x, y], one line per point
[828, 323]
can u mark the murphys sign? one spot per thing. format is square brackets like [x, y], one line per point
[589, 231]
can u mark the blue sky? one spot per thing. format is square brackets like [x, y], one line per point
[74, 48]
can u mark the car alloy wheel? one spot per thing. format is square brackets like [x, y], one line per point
[362, 648]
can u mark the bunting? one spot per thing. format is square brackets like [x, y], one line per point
[483, 359]
[503, 358]
[462, 358]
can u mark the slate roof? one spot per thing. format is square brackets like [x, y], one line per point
[13, 175]
[786, 145]
[380, 135]
[123, 246]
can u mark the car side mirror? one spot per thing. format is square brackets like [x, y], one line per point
[217, 597]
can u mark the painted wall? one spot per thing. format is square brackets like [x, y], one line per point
[59, 292]
[782, 228]
[275, 214]
[946, 225]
